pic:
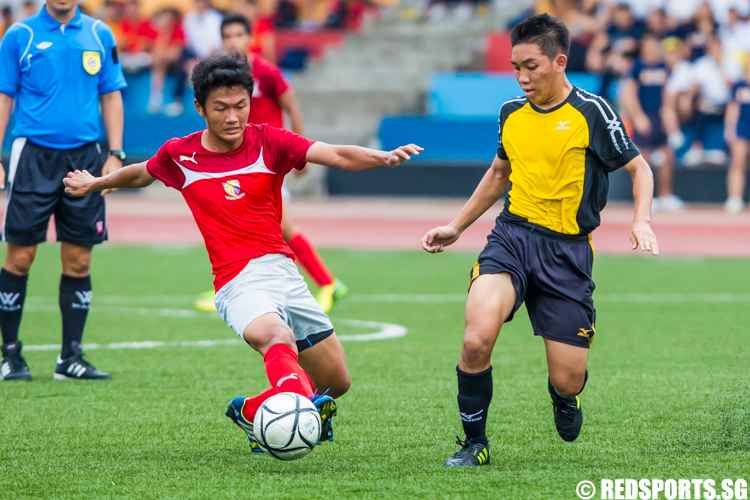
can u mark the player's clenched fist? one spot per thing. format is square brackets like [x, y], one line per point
[400, 155]
[437, 239]
[79, 183]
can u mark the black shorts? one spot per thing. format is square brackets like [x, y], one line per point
[552, 275]
[654, 139]
[36, 192]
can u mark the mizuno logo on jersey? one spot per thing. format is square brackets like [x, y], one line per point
[84, 300]
[562, 125]
[232, 188]
[8, 301]
[189, 158]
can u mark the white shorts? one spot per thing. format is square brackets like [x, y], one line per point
[285, 194]
[272, 284]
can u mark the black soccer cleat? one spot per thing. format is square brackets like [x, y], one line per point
[471, 454]
[77, 368]
[13, 366]
[568, 414]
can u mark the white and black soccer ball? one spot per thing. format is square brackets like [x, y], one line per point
[287, 426]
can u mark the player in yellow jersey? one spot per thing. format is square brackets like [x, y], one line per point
[557, 145]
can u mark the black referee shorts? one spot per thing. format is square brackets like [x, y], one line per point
[36, 192]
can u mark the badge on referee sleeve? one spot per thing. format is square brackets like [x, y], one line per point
[92, 62]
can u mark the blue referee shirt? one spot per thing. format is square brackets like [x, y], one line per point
[56, 73]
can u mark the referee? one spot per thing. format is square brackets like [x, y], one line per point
[58, 65]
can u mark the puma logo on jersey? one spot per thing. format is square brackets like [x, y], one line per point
[562, 126]
[189, 158]
[293, 376]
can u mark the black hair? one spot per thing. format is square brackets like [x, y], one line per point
[220, 71]
[548, 32]
[233, 18]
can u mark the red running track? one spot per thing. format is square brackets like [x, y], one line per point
[400, 224]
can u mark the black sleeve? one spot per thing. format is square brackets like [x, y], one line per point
[500, 122]
[608, 139]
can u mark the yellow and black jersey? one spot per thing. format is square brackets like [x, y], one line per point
[560, 159]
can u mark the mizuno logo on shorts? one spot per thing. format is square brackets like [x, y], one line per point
[584, 333]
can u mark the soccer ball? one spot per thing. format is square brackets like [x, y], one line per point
[287, 426]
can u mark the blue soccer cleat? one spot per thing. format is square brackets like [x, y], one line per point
[326, 406]
[234, 412]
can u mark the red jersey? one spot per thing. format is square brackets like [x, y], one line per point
[270, 85]
[235, 197]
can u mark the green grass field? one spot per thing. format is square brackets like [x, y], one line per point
[667, 396]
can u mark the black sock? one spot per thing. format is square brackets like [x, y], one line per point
[12, 295]
[474, 397]
[75, 298]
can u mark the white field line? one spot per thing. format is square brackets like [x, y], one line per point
[598, 297]
[385, 331]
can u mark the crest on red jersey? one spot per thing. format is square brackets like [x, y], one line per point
[232, 188]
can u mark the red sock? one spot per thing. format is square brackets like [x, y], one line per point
[284, 373]
[310, 260]
[250, 408]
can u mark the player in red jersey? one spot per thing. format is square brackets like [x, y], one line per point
[230, 175]
[272, 96]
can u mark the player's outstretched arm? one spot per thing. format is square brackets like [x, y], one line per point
[641, 234]
[359, 159]
[81, 182]
[490, 189]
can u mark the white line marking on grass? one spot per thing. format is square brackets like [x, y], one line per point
[386, 331]
[406, 298]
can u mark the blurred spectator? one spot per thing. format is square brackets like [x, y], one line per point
[202, 27]
[345, 14]
[735, 35]
[657, 23]
[6, 19]
[712, 79]
[737, 134]
[643, 96]
[167, 41]
[698, 30]
[133, 43]
[264, 34]
[287, 15]
[612, 51]
[29, 8]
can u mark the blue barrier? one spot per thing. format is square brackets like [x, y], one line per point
[482, 94]
[444, 138]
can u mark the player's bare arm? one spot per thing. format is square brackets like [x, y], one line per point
[81, 182]
[113, 115]
[6, 105]
[291, 107]
[359, 159]
[490, 189]
[641, 234]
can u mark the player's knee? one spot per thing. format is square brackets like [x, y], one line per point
[477, 349]
[568, 383]
[341, 385]
[76, 261]
[263, 339]
[19, 260]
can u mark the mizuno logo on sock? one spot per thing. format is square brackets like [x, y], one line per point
[475, 417]
[84, 300]
[293, 376]
[8, 301]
